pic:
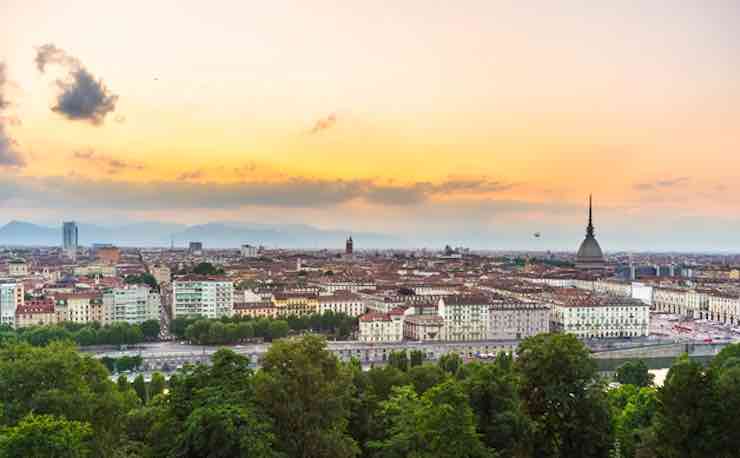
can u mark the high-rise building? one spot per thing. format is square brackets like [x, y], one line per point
[70, 239]
[349, 246]
[11, 297]
[196, 248]
[131, 303]
[248, 251]
[208, 297]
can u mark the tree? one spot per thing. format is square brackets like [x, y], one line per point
[142, 279]
[150, 329]
[562, 395]
[450, 363]
[425, 377]
[206, 268]
[157, 385]
[686, 421]
[308, 395]
[416, 358]
[633, 411]
[46, 436]
[399, 360]
[141, 388]
[439, 424]
[635, 373]
[500, 418]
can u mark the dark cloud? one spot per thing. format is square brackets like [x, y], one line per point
[110, 164]
[9, 155]
[295, 192]
[324, 123]
[666, 183]
[81, 97]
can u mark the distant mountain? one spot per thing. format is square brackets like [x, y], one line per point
[213, 235]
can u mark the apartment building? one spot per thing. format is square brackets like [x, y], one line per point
[590, 315]
[464, 317]
[11, 297]
[210, 297]
[35, 313]
[131, 303]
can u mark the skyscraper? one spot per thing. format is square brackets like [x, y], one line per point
[70, 239]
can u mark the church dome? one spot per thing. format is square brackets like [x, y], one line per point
[589, 255]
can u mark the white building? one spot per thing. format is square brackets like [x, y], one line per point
[382, 327]
[11, 297]
[132, 303]
[512, 319]
[589, 316]
[162, 274]
[248, 251]
[724, 307]
[423, 327]
[209, 297]
[349, 304]
[464, 317]
[351, 286]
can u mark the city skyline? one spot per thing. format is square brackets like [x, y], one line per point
[479, 126]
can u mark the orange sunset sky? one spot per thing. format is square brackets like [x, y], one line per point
[477, 122]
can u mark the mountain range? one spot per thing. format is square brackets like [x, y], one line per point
[213, 235]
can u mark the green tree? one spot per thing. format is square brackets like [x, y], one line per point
[150, 329]
[141, 388]
[686, 421]
[425, 377]
[562, 395]
[635, 373]
[633, 411]
[399, 359]
[307, 393]
[46, 436]
[206, 268]
[450, 363]
[157, 385]
[416, 358]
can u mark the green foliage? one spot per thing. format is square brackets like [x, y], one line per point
[308, 394]
[142, 279]
[399, 360]
[633, 411]
[157, 385]
[141, 388]
[150, 329]
[635, 373]
[206, 268]
[450, 363]
[563, 397]
[46, 436]
[119, 333]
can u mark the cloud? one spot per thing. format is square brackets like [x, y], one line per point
[111, 164]
[296, 192]
[666, 183]
[191, 175]
[81, 97]
[9, 155]
[324, 123]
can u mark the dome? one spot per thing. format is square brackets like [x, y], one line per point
[589, 254]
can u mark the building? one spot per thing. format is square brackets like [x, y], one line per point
[589, 255]
[465, 317]
[211, 297]
[108, 255]
[11, 297]
[382, 327]
[196, 248]
[131, 303]
[349, 246]
[249, 251]
[70, 239]
[162, 274]
[724, 307]
[295, 303]
[347, 303]
[257, 309]
[79, 307]
[511, 319]
[423, 327]
[599, 316]
[93, 270]
[17, 268]
[35, 313]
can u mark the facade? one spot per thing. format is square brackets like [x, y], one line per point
[195, 248]
[70, 239]
[162, 274]
[423, 327]
[11, 297]
[93, 270]
[258, 309]
[382, 327]
[589, 254]
[79, 307]
[248, 251]
[17, 268]
[209, 297]
[590, 316]
[517, 320]
[349, 304]
[295, 303]
[725, 308]
[131, 303]
[464, 317]
[35, 313]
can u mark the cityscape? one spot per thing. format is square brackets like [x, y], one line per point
[369, 230]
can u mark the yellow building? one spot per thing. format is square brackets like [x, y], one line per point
[296, 304]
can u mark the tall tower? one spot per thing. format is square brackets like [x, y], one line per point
[349, 246]
[70, 239]
[589, 254]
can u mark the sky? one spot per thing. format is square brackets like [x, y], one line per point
[478, 122]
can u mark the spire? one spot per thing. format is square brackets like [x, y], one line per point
[590, 227]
